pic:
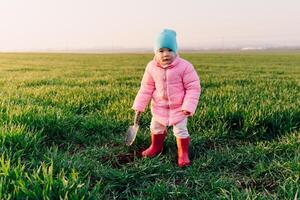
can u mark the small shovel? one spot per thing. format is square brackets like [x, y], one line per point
[132, 130]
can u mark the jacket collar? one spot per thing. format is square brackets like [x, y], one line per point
[173, 64]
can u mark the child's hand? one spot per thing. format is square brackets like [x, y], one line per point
[186, 112]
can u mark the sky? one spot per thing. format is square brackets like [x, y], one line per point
[124, 24]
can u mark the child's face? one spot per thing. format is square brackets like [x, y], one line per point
[165, 56]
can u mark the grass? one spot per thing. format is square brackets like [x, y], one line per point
[63, 118]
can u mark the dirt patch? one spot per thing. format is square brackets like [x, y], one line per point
[260, 184]
[117, 161]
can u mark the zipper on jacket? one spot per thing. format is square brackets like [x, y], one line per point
[167, 90]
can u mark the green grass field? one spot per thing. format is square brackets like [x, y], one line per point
[63, 119]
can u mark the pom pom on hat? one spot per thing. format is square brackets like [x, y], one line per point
[166, 39]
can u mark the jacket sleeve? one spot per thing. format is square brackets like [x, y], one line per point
[192, 86]
[145, 92]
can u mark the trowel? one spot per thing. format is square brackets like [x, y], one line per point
[132, 130]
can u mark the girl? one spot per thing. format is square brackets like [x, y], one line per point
[173, 86]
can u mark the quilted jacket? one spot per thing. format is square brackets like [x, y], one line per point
[171, 89]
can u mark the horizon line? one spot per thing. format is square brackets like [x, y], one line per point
[147, 50]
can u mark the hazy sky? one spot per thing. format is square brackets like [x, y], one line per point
[80, 24]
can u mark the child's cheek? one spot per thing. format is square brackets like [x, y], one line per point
[157, 57]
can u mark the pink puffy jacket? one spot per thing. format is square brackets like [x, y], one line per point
[171, 89]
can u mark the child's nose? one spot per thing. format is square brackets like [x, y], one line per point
[165, 53]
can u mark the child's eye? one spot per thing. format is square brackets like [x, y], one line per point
[166, 49]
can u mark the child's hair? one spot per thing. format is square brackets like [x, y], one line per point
[166, 39]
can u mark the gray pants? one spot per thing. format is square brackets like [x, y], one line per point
[179, 129]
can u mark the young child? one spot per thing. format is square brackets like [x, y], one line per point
[173, 86]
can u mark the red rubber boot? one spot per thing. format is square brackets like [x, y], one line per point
[183, 151]
[157, 145]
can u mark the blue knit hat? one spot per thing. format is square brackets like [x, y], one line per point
[166, 39]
